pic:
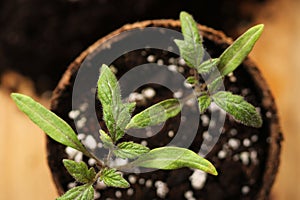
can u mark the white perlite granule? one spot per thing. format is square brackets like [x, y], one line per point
[81, 136]
[198, 179]
[151, 58]
[160, 62]
[204, 120]
[73, 114]
[178, 94]
[78, 157]
[148, 183]
[71, 185]
[234, 143]
[71, 152]
[171, 60]
[181, 61]
[118, 194]
[189, 195]
[190, 102]
[141, 181]
[130, 192]
[81, 122]
[161, 189]
[254, 138]
[207, 136]
[113, 69]
[187, 85]
[245, 189]
[233, 131]
[83, 107]
[245, 157]
[90, 142]
[246, 142]
[253, 156]
[171, 133]
[232, 79]
[97, 195]
[132, 179]
[172, 68]
[222, 154]
[92, 161]
[135, 97]
[149, 93]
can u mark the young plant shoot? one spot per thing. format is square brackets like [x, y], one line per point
[118, 118]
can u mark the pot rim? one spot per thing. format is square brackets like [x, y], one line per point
[268, 102]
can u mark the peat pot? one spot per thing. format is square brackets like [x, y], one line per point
[246, 158]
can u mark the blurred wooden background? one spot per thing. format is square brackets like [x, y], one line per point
[24, 172]
[277, 54]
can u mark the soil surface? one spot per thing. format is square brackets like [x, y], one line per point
[241, 154]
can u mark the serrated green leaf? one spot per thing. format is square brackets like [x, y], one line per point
[169, 158]
[108, 87]
[189, 28]
[191, 80]
[115, 114]
[123, 116]
[80, 171]
[130, 150]
[191, 53]
[83, 192]
[130, 106]
[191, 48]
[203, 102]
[240, 109]
[234, 55]
[106, 139]
[215, 85]
[208, 65]
[49, 122]
[155, 114]
[112, 178]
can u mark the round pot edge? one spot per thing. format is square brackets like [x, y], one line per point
[218, 37]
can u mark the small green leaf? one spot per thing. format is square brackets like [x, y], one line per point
[130, 150]
[191, 53]
[215, 85]
[189, 28]
[155, 114]
[49, 122]
[191, 48]
[109, 94]
[240, 109]
[112, 178]
[169, 158]
[203, 102]
[115, 114]
[106, 139]
[80, 171]
[191, 80]
[130, 106]
[83, 192]
[108, 88]
[208, 65]
[123, 116]
[234, 55]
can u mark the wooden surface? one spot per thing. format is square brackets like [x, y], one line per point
[24, 172]
[278, 55]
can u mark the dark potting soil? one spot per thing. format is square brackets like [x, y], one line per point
[40, 38]
[240, 155]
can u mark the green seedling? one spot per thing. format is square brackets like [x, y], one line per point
[119, 120]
